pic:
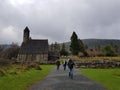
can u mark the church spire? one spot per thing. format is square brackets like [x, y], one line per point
[26, 34]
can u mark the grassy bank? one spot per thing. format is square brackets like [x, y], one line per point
[110, 78]
[23, 80]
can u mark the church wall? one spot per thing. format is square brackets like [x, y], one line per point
[42, 58]
[39, 58]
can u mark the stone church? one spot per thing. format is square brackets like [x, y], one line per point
[33, 50]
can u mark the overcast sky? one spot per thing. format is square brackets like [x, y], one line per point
[55, 20]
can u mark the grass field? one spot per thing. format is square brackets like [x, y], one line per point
[23, 80]
[110, 78]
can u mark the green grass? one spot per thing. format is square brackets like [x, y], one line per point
[110, 78]
[23, 80]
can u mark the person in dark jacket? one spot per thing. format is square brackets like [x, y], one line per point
[58, 64]
[70, 66]
[65, 64]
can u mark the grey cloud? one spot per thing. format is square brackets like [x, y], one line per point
[57, 19]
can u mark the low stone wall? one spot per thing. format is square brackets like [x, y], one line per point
[99, 64]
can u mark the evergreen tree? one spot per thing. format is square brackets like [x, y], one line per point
[109, 50]
[52, 47]
[57, 47]
[63, 50]
[74, 46]
[81, 46]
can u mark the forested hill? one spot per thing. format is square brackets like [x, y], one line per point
[98, 42]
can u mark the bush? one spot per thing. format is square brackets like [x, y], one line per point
[2, 73]
[33, 65]
[13, 73]
[37, 67]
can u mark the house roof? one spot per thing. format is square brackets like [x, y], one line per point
[34, 46]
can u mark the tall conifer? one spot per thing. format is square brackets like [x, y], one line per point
[74, 46]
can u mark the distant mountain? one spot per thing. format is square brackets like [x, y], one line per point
[97, 42]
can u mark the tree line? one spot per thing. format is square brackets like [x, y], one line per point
[9, 53]
[77, 46]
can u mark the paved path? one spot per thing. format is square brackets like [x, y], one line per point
[59, 80]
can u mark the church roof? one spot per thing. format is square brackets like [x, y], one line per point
[34, 46]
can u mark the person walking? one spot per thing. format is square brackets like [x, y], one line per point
[58, 64]
[70, 66]
[65, 64]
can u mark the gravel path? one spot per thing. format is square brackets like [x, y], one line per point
[59, 80]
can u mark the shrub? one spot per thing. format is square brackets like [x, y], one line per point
[33, 65]
[13, 73]
[37, 67]
[2, 73]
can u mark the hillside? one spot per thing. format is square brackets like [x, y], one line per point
[98, 42]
